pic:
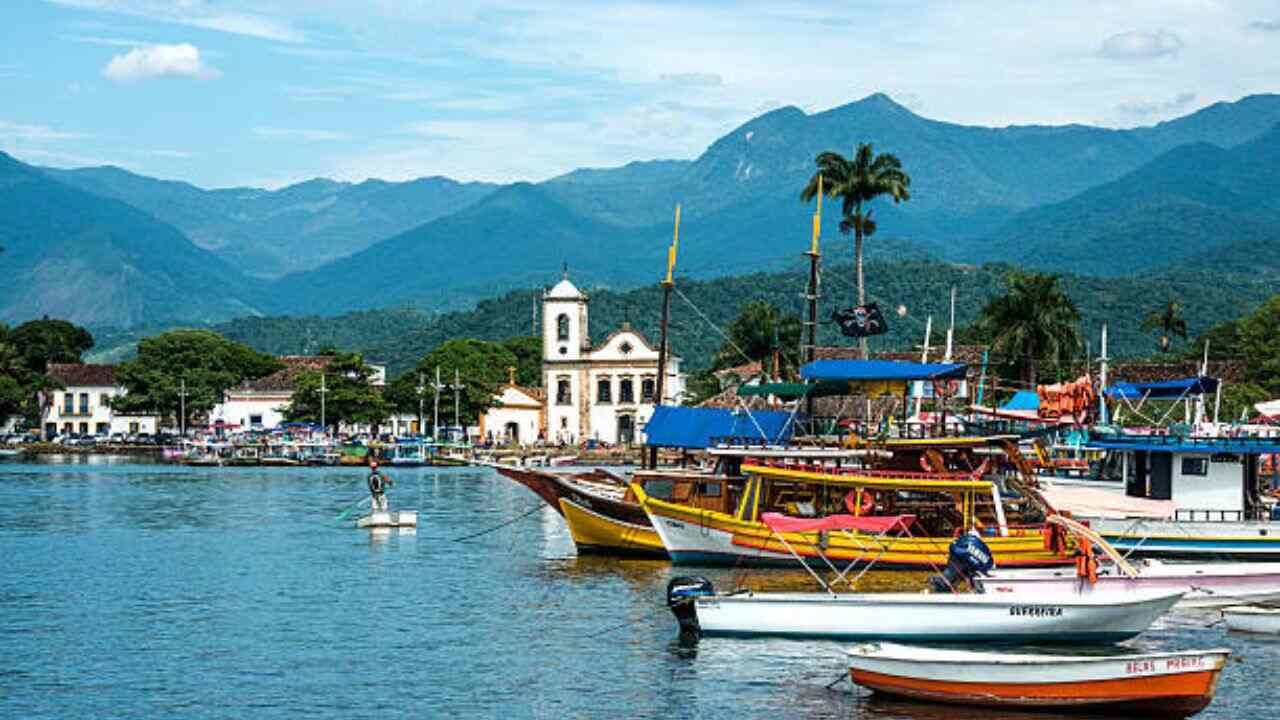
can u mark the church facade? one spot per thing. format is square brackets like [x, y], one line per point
[604, 392]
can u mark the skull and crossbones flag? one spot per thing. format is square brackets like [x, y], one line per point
[861, 321]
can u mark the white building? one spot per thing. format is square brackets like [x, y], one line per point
[605, 392]
[519, 418]
[260, 404]
[84, 405]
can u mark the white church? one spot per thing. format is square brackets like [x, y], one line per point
[604, 393]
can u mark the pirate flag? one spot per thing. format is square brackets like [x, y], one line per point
[861, 321]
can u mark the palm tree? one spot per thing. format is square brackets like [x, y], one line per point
[857, 182]
[1033, 320]
[1168, 320]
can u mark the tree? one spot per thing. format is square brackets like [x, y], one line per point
[481, 367]
[25, 354]
[1168, 321]
[856, 183]
[349, 396]
[207, 363]
[1259, 335]
[1033, 321]
[759, 329]
[528, 352]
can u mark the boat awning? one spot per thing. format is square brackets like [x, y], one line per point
[906, 482]
[1022, 400]
[1191, 445]
[700, 428]
[780, 523]
[1093, 502]
[1164, 390]
[880, 371]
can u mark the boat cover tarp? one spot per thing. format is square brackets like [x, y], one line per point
[780, 523]
[880, 370]
[1022, 400]
[778, 389]
[700, 428]
[1191, 445]
[1098, 503]
[1165, 389]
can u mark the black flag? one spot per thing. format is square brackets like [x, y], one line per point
[861, 321]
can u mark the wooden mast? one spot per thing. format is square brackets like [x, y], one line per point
[660, 384]
[811, 296]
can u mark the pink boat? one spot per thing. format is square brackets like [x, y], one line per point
[1206, 584]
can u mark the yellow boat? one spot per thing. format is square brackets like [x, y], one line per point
[595, 532]
[918, 516]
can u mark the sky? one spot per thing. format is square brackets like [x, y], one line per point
[269, 92]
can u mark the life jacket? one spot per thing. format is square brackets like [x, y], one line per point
[376, 483]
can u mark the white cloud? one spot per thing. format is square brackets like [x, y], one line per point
[35, 133]
[1138, 45]
[1181, 101]
[100, 40]
[152, 61]
[172, 154]
[692, 79]
[196, 13]
[299, 134]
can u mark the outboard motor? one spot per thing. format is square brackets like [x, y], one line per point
[967, 558]
[681, 594]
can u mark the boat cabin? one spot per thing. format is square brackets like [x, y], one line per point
[1209, 479]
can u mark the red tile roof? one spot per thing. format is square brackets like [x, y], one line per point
[78, 375]
[283, 380]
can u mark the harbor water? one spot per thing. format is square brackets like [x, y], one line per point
[135, 590]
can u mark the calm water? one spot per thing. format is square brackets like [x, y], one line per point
[133, 590]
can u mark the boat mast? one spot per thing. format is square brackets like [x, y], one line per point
[1102, 392]
[811, 296]
[457, 390]
[323, 391]
[659, 389]
[924, 358]
[435, 410]
[421, 429]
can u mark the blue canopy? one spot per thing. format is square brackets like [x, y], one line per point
[1164, 390]
[1192, 445]
[1023, 400]
[880, 370]
[700, 428]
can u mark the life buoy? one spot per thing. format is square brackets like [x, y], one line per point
[868, 504]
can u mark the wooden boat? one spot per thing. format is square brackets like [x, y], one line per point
[596, 532]
[405, 453]
[1174, 684]
[390, 519]
[281, 455]
[1250, 618]
[938, 509]
[1205, 584]
[11, 452]
[1055, 618]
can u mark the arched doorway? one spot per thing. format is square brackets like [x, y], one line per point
[626, 429]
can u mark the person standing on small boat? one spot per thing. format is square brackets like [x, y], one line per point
[378, 483]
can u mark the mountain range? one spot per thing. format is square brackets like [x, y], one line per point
[1197, 191]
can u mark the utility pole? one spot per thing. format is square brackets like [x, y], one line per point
[435, 412]
[667, 284]
[323, 391]
[182, 402]
[421, 429]
[1102, 390]
[811, 347]
[533, 328]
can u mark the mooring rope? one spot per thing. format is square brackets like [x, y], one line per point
[501, 525]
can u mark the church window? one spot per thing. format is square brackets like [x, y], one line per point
[604, 390]
[646, 390]
[562, 327]
[563, 395]
[625, 347]
[626, 391]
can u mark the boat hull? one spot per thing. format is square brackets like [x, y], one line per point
[1252, 619]
[597, 533]
[699, 537]
[1157, 685]
[1193, 540]
[1206, 584]
[924, 618]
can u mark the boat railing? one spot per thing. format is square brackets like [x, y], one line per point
[865, 472]
[1223, 516]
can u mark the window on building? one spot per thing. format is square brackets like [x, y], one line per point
[84, 428]
[564, 423]
[646, 390]
[84, 403]
[564, 396]
[103, 429]
[1195, 466]
[104, 400]
[69, 403]
[626, 391]
[562, 327]
[68, 428]
[133, 428]
[255, 421]
[604, 390]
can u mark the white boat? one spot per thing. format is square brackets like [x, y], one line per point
[389, 519]
[1205, 584]
[1249, 618]
[1174, 684]
[1063, 617]
[10, 452]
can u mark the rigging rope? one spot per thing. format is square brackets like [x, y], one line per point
[499, 526]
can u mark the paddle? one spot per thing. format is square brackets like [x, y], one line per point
[347, 511]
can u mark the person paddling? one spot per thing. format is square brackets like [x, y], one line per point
[378, 483]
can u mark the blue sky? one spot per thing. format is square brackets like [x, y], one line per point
[270, 92]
